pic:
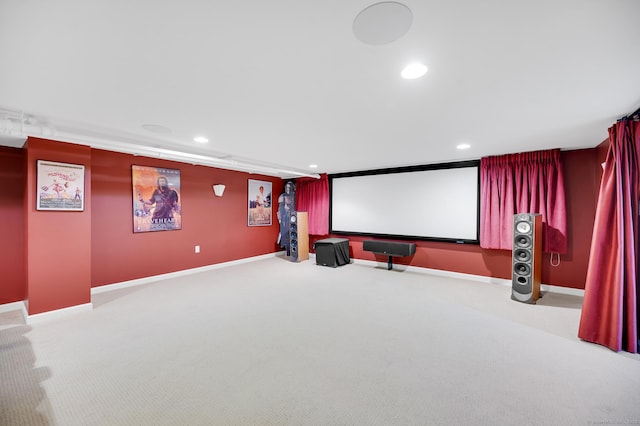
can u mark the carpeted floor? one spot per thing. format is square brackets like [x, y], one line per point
[273, 342]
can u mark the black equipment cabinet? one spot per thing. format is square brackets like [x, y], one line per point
[332, 252]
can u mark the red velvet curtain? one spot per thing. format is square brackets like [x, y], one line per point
[312, 196]
[530, 182]
[610, 306]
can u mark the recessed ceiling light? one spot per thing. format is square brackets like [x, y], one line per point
[463, 146]
[156, 128]
[414, 70]
[313, 166]
[201, 139]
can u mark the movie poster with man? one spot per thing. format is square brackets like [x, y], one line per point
[259, 203]
[156, 199]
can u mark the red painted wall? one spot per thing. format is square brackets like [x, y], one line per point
[102, 248]
[601, 154]
[582, 177]
[12, 255]
[217, 224]
[58, 244]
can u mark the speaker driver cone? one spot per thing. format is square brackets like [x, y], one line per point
[522, 255]
[522, 268]
[523, 241]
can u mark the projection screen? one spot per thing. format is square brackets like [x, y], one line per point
[431, 202]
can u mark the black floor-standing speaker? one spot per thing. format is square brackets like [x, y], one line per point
[299, 236]
[293, 235]
[526, 272]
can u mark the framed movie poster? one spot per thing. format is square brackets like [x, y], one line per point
[156, 199]
[60, 186]
[259, 203]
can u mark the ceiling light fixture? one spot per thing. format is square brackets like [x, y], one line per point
[313, 166]
[463, 146]
[201, 139]
[414, 70]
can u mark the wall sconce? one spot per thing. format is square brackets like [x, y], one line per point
[218, 189]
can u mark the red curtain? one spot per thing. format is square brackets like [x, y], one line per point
[530, 182]
[312, 196]
[609, 310]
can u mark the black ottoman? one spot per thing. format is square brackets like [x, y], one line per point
[332, 252]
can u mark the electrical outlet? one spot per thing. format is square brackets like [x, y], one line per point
[197, 249]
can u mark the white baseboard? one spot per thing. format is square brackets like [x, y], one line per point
[58, 313]
[471, 277]
[562, 290]
[153, 278]
[46, 316]
[13, 306]
[30, 319]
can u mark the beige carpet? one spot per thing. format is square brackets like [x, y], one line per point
[273, 342]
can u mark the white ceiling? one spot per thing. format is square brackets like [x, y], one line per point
[287, 83]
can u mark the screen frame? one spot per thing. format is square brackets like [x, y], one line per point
[408, 169]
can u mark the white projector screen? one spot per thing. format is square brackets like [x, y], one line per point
[436, 202]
